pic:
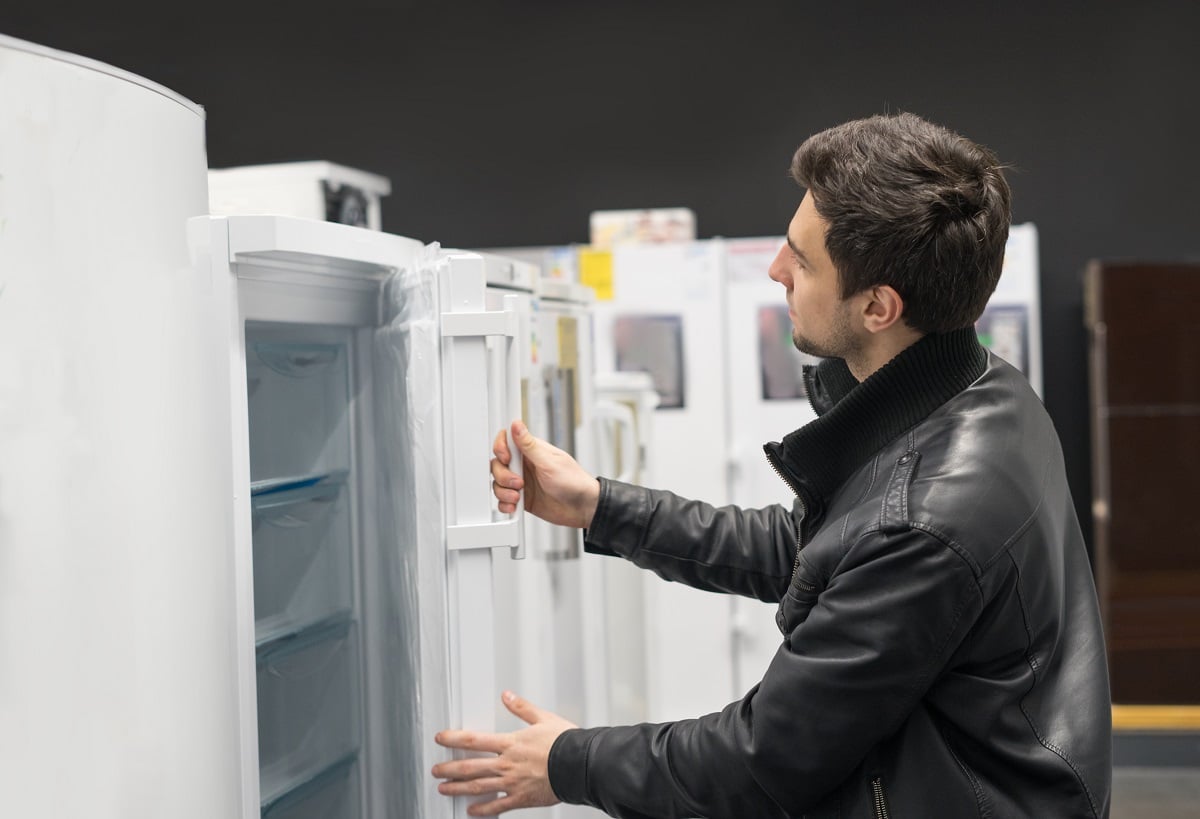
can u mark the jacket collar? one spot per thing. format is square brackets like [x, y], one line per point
[857, 420]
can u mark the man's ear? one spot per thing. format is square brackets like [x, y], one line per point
[883, 308]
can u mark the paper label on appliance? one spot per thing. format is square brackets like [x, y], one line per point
[568, 356]
[748, 260]
[596, 271]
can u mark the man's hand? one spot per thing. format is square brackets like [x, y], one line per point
[520, 770]
[557, 489]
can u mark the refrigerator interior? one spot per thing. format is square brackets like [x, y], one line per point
[364, 529]
[307, 537]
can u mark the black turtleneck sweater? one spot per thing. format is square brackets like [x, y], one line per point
[857, 419]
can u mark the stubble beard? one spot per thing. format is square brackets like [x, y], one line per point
[840, 344]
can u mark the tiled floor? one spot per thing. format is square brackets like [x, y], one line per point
[1156, 793]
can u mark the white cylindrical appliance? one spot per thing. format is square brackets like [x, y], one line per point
[117, 689]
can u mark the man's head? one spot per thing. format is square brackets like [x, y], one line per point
[910, 206]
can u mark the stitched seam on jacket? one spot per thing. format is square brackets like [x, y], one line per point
[1024, 527]
[951, 544]
[958, 612]
[900, 468]
[1033, 667]
[980, 799]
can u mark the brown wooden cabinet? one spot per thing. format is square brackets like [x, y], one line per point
[1144, 327]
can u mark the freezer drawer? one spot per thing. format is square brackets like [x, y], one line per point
[302, 552]
[332, 794]
[308, 706]
[299, 397]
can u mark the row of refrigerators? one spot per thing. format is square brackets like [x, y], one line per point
[251, 558]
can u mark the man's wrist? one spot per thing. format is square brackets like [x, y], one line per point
[591, 501]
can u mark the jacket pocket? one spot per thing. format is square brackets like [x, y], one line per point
[799, 599]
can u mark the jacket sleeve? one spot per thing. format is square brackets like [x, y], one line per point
[847, 676]
[739, 551]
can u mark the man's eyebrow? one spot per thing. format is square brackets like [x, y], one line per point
[795, 249]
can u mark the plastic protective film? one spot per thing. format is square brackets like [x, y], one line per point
[409, 581]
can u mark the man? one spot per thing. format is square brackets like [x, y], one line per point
[941, 647]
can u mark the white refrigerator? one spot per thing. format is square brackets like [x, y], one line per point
[624, 430]
[666, 318]
[367, 379]
[116, 612]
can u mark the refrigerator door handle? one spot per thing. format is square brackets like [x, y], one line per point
[504, 323]
[621, 416]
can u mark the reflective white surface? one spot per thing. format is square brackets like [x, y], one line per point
[117, 695]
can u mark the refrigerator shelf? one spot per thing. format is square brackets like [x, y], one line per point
[274, 646]
[296, 359]
[305, 788]
[295, 501]
[275, 486]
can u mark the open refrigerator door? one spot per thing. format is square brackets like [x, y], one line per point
[364, 535]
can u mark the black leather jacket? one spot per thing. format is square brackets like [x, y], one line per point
[942, 653]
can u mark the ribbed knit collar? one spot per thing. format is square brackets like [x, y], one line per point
[856, 420]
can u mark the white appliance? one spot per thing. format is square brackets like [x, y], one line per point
[550, 637]
[666, 318]
[568, 366]
[767, 401]
[1011, 326]
[364, 400]
[624, 424]
[312, 190]
[117, 696]
[524, 625]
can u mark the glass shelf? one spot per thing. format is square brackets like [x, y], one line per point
[290, 640]
[325, 792]
[295, 501]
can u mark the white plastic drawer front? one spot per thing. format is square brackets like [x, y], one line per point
[299, 398]
[333, 795]
[308, 709]
[302, 553]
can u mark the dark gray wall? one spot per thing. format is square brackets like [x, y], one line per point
[508, 123]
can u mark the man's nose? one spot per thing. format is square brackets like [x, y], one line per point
[778, 270]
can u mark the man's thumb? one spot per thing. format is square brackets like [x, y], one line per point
[524, 709]
[523, 438]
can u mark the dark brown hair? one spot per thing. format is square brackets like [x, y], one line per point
[912, 205]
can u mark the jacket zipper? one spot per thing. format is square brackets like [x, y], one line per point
[803, 516]
[881, 811]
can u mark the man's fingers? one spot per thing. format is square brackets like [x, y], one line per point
[495, 807]
[500, 448]
[472, 741]
[471, 787]
[471, 768]
[504, 477]
[523, 708]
